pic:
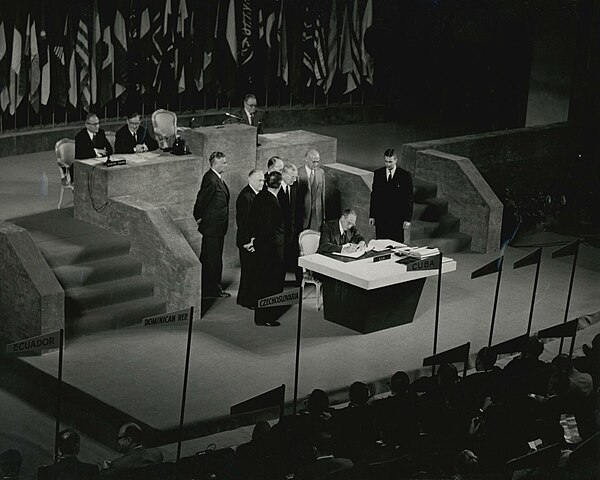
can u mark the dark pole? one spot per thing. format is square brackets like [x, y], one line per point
[298, 332]
[572, 344]
[562, 340]
[495, 301]
[61, 346]
[437, 311]
[185, 380]
[535, 282]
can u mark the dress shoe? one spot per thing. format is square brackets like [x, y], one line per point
[224, 295]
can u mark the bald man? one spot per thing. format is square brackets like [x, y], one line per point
[311, 192]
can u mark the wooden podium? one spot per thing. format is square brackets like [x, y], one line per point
[368, 296]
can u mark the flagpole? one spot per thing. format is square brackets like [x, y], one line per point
[495, 301]
[61, 345]
[562, 340]
[298, 332]
[535, 282]
[185, 381]
[437, 306]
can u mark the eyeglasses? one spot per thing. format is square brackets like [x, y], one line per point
[93, 124]
[251, 104]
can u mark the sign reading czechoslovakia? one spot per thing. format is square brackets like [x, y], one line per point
[167, 318]
[429, 263]
[289, 297]
[41, 342]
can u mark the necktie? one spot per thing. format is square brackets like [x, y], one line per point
[94, 139]
[344, 238]
[389, 176]
[312, 179]
[251, 119]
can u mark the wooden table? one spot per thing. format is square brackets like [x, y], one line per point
[368, 296]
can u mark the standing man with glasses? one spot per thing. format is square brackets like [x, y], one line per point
[134, 137]
[249, 115]
[311, 192]
[91, 141]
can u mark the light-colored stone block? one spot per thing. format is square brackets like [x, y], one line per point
[293, 145]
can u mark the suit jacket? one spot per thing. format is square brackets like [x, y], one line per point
[288, 210]
[258, 119]
[324, 468]
[392, 201]
[125, 142]
[331, 238]
[212, 205]
[138, 457]
[266, 225]
[242, 215]
[68, 468]
[306, 200]
[84, 147]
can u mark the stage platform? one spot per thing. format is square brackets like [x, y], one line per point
[137, 372]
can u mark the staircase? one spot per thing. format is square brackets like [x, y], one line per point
[431, 224]
[104, 286]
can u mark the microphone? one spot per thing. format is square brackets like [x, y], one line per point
[192, 122]
[233, 116]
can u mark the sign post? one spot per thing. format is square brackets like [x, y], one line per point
[495, 266]
[533, 258]
[569, 249]
[289, 297]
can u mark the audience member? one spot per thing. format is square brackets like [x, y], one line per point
[527, 373]
[135, 454]
[485, 382]
[133, 137]
[311, 192]
[256, 459]
[341, 235]
[325, 464]
[68, 466]
[10, 464]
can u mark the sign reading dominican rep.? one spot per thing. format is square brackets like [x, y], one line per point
[289, 297]
[430, 263]
[32, 344]
[168, 318]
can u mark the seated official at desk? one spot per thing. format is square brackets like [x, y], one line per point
[341, 235]
[134, 137]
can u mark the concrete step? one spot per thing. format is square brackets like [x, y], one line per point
[434, 209]
[83, 248]
[423, 190]
[87, 297]
[447, 224]
[451, 243]
[420, 229]
[114, 316]
[97, 271]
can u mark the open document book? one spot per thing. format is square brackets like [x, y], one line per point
[375, 246]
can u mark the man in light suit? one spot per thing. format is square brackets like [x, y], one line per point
[211, 212]
[340, 235]
[243, 240]
[134, 137]
[311, 192]
[391, 199]
[91, 141]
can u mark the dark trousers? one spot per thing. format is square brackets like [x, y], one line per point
[290, 258]
[389, 232]
[246, 297]
[211, 257]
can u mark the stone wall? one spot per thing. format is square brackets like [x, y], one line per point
[32, 302]
[469, 196]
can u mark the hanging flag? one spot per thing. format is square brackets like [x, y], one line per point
[4, 66]
[182, 38]
[82, 52]
[34, 62]
[530, 259]
[267, 41]
[246, 41]
[16, 67]
[71, 56]
[489, 268]
[567, 250]
[150, 35]
[105, 55]
[366, 59]
[282, 64]
[166, 81]
[96, 53]
[350, 51]
[231, 34]
[308, 44]
[119, 41]
[226, 56]
[44, 52]
[332, 47]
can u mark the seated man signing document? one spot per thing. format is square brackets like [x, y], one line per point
[341, 236]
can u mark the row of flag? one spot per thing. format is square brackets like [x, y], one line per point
[104, 50]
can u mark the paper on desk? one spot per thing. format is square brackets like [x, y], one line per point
[357, 254]
[92, 161]
[383, 244]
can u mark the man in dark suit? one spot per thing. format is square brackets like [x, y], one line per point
[211, 212]
[288, 200]
[340, 235]
[249, 115]
[68, 467]
[266, 227]
[243, 240]
[135, 455]
[91, 141]
[134, 137]
[325, 465]
[311, 192]
[391, 199]
[11, 462]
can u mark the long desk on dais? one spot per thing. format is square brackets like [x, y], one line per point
[368, 296]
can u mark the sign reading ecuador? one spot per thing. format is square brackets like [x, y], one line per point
[167, 318]
[289, 297]
[41, 342]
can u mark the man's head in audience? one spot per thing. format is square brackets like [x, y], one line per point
[559, 383]
[275, 164]
[535, 347]
[10, 463]
[562, 364]
[129, 437]
[256, 180]
[260, 429]
[359, 394]
[399, 383]
[92, 123]
[312, 159]
[68, 443]
[486, 359]
[317, 402]
[447, 375]
[133, 122]
[290, 173]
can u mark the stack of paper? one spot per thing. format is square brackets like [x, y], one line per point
[423, 252]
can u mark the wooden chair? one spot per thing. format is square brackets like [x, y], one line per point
[165, 127]
[65, 155]
[308, 241]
